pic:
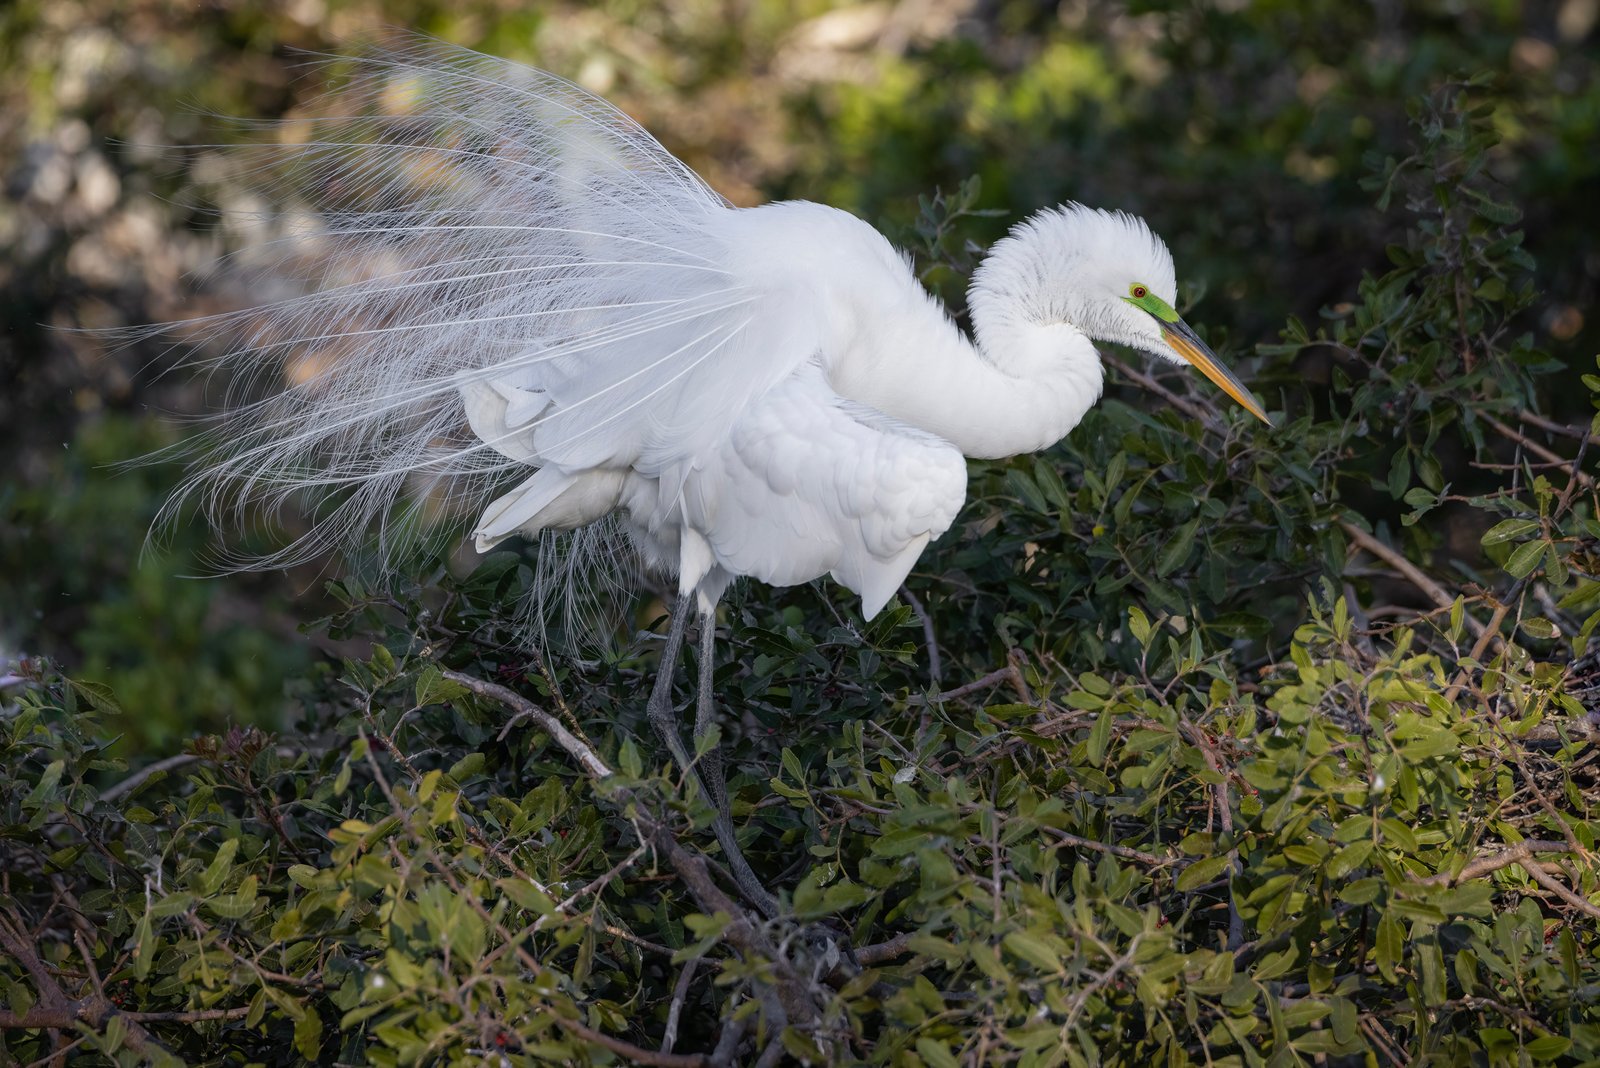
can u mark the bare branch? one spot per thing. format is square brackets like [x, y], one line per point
[1412, 572]
[143, 775]
[527, 709]
[1560, 889]
[1493, 862]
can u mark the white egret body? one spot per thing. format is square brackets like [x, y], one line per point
[527, 298]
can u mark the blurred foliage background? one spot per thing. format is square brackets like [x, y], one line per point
[1201, 742]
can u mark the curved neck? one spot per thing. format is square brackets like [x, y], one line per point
[1027, 380]
[1029, 384]
[1019, 389]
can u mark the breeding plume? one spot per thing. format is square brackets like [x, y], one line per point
[527, 308]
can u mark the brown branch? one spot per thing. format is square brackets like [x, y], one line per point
[1412, 572]
[143, 775]
[680, 995]
[38, 1018]
[1557, 428]
[935, 665]
[1187, 407]
[1125, 852]
[54, 1010]
[1543, 452]
[194, 1016]
[1011, 673]
[1510, 1011]
[636, 1054]
[1224, 808]
[793, 993]
[1493, 862]
[1560, 889]
[882, 952]
[1491, 633]
[526, 709]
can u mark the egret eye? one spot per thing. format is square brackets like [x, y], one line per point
[1138, 292]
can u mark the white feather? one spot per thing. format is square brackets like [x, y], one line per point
[515, 275]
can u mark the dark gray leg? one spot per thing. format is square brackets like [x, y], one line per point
[711, 774]
[705, 717]
[664, 718]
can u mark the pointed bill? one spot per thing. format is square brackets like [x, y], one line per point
[1186, 343]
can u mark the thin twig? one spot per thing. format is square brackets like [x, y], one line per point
[528, 710]
[54, 1010]
[1010, 673]
[680, 994]
[880, 952]
[1493, 862]
[1187, 407]
[1543, 452]
[1560, 889]
[1224, 808]
[1554, 427]
[1411, 571]
[1125, 852]
[140, 777]
[1489, 634]
[634, 1054]
[792, 994]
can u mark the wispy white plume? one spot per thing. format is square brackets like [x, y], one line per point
[477, 224]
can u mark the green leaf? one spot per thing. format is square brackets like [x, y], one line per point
[44, 791]
[1139, 625]
[1032, 950]
[144, 947]
[308, 1035]
[1025, 488]
[1100, 737]
[629, 761]
[1538, 627]
[211, 879]
[1177, 550]
[1202, 872]
[1493, 210]
[1349, 859]
[525, 895]
[936, 1054]
[434, 689]
[1526, 557]
[1508, 530]
[468, 766]
[99, 696]
[1548, 1048]
[1390, 945]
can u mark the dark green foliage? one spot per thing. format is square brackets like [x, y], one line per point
[188, 653]
[1217, 770]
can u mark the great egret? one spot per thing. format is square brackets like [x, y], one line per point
[518, 283]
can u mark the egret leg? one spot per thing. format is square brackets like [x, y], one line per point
[664, 718]
[705, 717]
[712, 776]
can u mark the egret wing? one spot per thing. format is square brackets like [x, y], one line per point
[504, 270]
[810, 483]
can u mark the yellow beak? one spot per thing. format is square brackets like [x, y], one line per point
[1186, 343]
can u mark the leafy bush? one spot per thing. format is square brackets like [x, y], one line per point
[1177, 755]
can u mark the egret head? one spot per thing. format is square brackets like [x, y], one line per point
[1107, 274]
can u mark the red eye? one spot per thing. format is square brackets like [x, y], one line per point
[1139, 292]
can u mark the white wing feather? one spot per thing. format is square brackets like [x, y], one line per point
[513, 274]
[488, 231]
